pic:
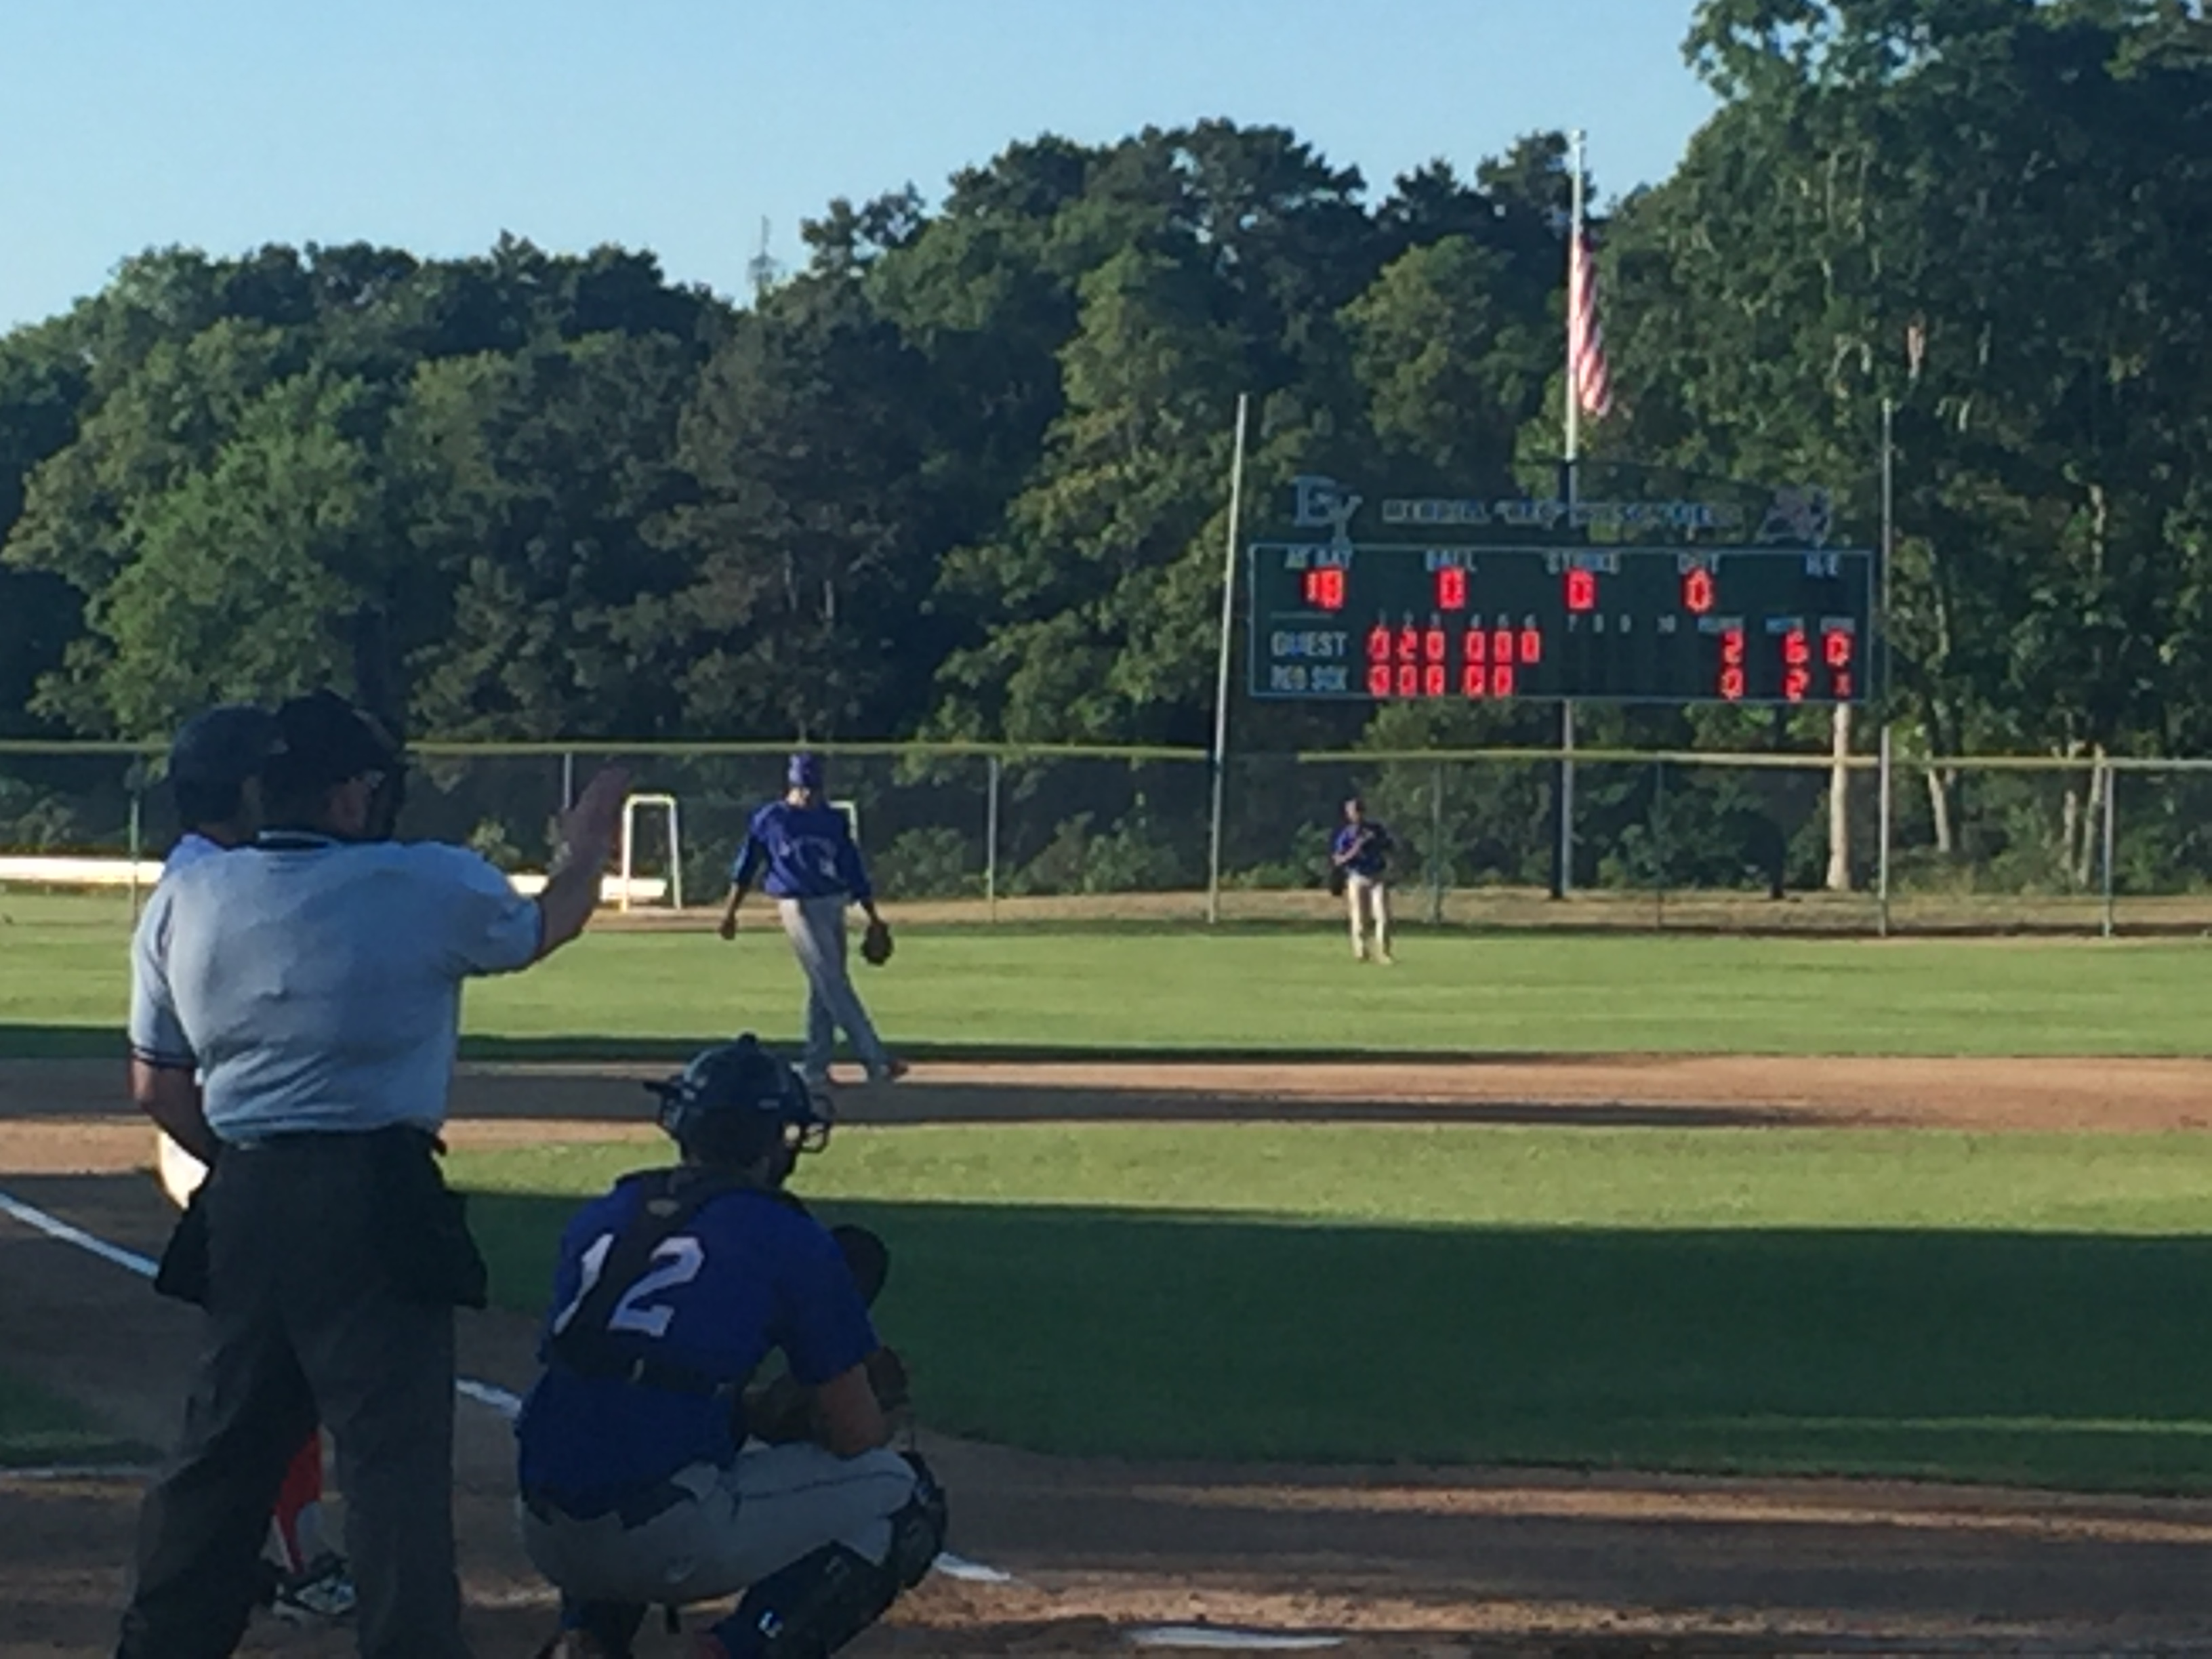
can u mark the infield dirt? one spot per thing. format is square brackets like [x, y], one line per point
[1396, 1559]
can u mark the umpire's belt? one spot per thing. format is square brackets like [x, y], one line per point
[632, 1507]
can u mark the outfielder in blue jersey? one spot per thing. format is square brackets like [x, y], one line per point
[799, 850]
[640, 1483]
[1359, 862]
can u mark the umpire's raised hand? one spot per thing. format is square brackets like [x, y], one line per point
[587, 834]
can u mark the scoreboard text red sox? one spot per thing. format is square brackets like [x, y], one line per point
[1623, 624]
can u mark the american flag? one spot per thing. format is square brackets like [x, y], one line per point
[1593, 382]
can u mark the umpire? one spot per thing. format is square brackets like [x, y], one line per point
[293, 1019]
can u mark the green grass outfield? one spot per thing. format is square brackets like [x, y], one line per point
[1107, 992]
[2025, 1309]
[38, 1428]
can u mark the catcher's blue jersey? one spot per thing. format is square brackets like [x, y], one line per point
[748, 1274]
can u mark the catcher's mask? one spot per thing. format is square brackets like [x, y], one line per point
[737, 1103]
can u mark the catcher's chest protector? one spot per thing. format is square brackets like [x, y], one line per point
[581, 1340]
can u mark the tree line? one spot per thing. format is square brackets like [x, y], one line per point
[963, 475]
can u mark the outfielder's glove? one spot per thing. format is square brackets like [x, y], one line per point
[876, 944]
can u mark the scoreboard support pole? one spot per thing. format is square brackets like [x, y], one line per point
[1563, 856]
[1885, 783]
[1220, 756]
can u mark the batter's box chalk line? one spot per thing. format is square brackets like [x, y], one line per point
[490, 1395]
[1222, 1638]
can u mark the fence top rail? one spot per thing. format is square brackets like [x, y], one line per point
[471, 748]
[677, 749]
[1820, 763]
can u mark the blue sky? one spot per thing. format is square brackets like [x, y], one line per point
[679, 125]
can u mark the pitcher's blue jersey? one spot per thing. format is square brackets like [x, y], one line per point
[808, 852]
[748, 1274]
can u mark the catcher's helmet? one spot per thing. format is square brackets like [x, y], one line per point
[736, 1102]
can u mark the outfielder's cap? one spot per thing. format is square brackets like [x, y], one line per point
[324, 741]
[805, 772]
[221, 747]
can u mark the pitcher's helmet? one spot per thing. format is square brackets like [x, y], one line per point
[737, 1102]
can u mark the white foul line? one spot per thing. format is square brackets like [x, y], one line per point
[54, 1227]
[488, 1395]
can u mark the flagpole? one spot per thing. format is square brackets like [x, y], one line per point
[1562, 875]
[1574, 433]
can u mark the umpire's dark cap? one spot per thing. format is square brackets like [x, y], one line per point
[324, 741]
[220, 748]
[805, 771]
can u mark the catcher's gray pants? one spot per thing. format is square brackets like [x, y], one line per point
[774, 1504]
[816, 927]
[302, 1317]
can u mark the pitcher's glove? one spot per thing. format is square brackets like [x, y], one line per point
[876, 945]
[782, 1411]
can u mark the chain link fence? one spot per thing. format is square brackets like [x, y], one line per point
[1677, 840]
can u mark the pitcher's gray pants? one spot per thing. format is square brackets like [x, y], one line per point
[816, 927]
[772, 1506]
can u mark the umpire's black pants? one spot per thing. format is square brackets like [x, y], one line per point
[302, 1319]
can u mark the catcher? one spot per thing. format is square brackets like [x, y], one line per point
[647, 1474]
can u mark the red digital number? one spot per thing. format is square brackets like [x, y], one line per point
[1474, 679]
[1532, 646]
[1582, 590]
[1325, 588]
[1378, 643]
[1433, 645]
[1433, 680]
[1478, 646]
[1379, 680]
[1501, 646]
[1732, 681]
[1501, 680]
[1409, 679]
[1409, 643]
[1698, 592]
[1836, 646]
[1796, 649]
[1843, 685]
[1451, 588]
[1796, 682]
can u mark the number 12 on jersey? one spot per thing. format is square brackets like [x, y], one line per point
[677, 1260]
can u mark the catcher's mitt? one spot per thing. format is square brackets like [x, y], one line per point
[876, 945]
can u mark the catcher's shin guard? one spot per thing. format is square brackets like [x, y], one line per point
[821, 1601]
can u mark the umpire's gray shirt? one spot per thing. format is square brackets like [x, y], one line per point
[315, 985]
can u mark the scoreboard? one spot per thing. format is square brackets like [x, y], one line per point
[1755, 624]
